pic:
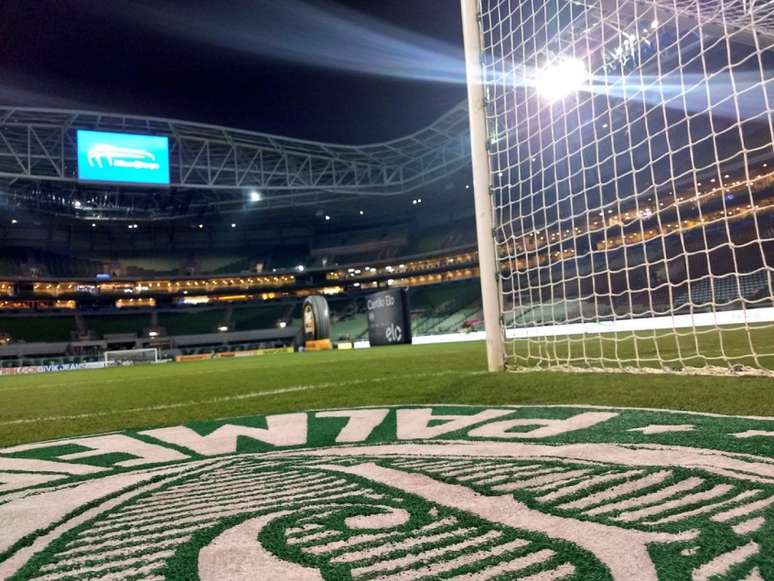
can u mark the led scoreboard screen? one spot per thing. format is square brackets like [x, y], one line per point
[389, 319]
[123, 158]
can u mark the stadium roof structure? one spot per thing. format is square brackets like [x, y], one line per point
[214, 168]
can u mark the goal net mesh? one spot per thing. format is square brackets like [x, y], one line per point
[149, 355]
[632, 185]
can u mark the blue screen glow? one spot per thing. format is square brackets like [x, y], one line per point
[122, 158]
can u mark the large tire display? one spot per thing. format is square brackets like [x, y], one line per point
[317, 319]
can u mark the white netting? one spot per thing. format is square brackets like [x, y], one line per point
[631, 158]
[130, 356]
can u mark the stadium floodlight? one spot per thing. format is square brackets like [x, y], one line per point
[561, 78]
[233, 225]
[327, 218]
[14, 221]
[255, 196]
[300, 268]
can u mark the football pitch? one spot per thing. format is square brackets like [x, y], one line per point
[41, 407]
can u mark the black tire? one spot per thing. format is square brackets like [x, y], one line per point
[322, 318]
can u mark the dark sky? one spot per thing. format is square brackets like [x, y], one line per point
[223, 62]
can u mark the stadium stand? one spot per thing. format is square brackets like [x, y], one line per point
[262, 316]
[39, 329]
[104, 325]
[444, 308]
[729, 289]
[192, 322]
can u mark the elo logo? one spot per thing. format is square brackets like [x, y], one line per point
[394, 334]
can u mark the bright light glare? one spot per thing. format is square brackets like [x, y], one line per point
[561, 78]
[255, 196]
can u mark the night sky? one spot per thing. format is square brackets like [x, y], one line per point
[206, 60]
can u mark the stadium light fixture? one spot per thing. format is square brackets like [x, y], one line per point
[362, 212]
[14, 221]
[282, 324]
[93, 225]
[233, 225]
[77, 204]
[327, 218]
[561, 78]
[300, 268]
[201, 226]
[255, 196]
[222, 329]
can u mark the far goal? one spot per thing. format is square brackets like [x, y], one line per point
[132, 356]
[623, 165]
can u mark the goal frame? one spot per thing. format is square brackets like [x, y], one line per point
[146, 349]
[487, 256]
[495, 309]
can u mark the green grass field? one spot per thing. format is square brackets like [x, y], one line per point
[40, 407]
[692, 347]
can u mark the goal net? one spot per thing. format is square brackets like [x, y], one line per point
[132, 356]
[631, 182]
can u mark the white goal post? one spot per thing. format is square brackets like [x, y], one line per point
[131, 356]
[623, 171]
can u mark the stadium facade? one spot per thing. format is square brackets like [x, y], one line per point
[219, 258]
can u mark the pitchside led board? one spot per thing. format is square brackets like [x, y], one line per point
[389, 319]
[123, 158]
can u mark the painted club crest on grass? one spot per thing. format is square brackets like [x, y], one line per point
[534, 493]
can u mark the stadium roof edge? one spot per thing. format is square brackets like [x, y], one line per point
[38, 163]
[453, 114]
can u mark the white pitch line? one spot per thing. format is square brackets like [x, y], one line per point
[229, 398]
[134, 379]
